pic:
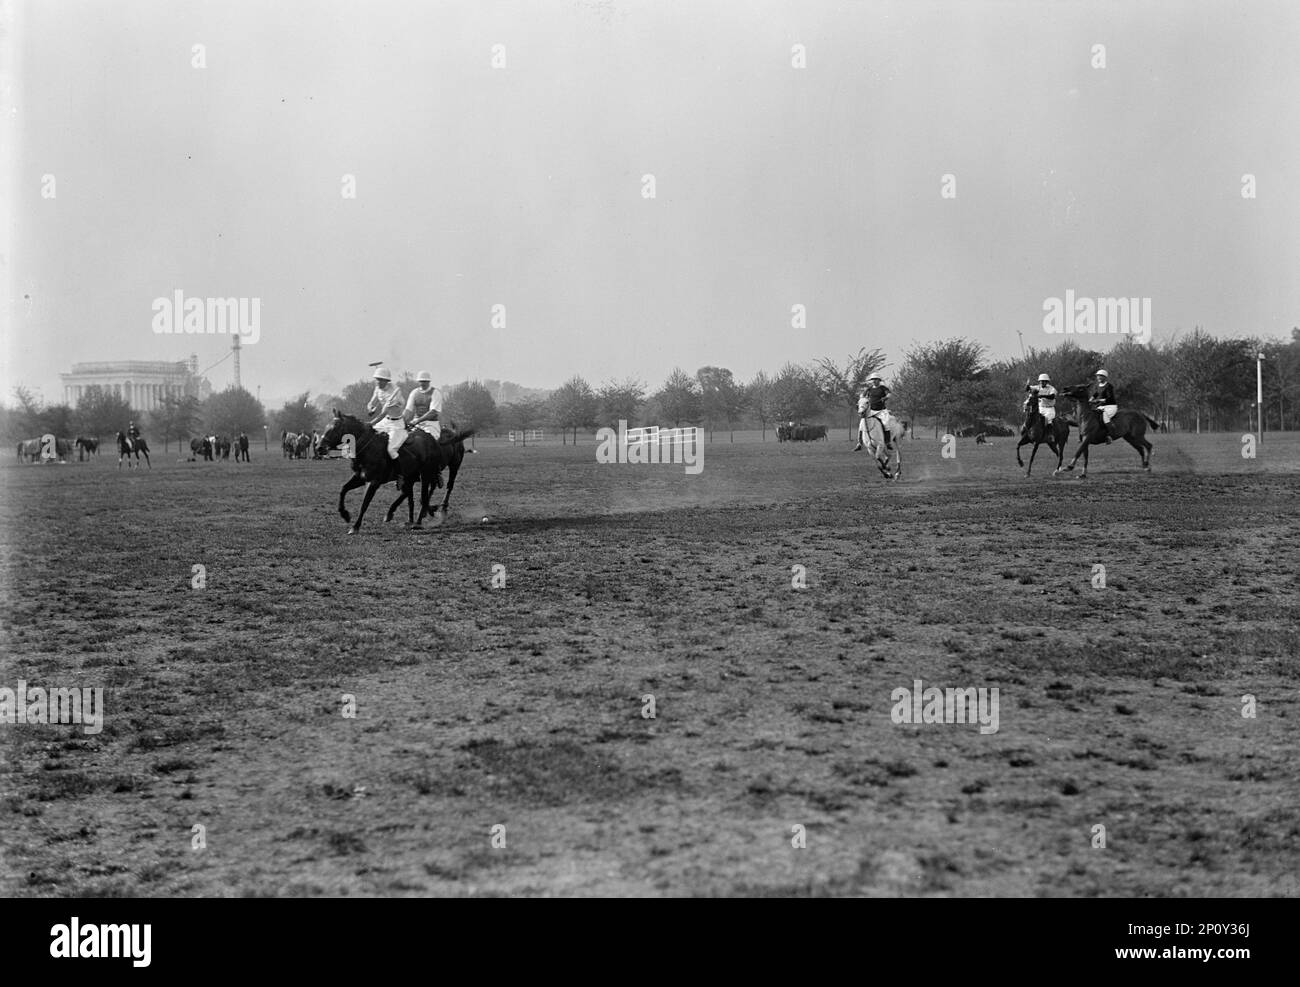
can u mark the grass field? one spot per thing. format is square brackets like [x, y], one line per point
[522, 706]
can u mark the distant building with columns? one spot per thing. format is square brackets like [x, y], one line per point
[143, 384]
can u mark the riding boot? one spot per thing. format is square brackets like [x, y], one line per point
[858, 447]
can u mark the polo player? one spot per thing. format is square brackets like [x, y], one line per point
[1102, 397]
[388, 402]
[1045, 394]
[424, 406]
[871, 404]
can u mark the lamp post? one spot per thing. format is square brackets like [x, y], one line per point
[264, 439]
[1259, 393]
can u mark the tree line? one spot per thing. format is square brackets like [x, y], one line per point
[1194, 382]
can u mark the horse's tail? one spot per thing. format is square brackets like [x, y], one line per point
[1154, 424]
[454, 437]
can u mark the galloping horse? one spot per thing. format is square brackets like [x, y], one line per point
[1131, 426]
[420, 457]
[451, 452]
[883, 454]
[1055, 435]
[128, 447]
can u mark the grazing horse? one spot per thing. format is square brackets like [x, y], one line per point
[1131, 426]
[86, 448]
[883, 454]
[29, 451]
[128, 447]
[200, 447]
[421, 457]
[1056, 435]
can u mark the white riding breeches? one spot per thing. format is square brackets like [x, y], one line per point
[434, 428]
[1108, 412]
[886, 422]
[1048, 413]
[396, 431]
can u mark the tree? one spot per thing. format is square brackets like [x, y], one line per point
[1282, 377]
[760, 399]
[679, 398]
[352, 400]
[56, 420]
[620, 401]
[721, 398]
[794, 394]
[573, 406]
[176, 417]
[471, 405]
[297, 415]
[521, 415]
[948, 380]
[101, 411]
[1138, 372]
[843, 386]
[232, 411]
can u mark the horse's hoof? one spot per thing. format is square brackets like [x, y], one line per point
[352, 531]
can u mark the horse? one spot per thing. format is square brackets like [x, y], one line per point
[302, 446]
[1131, 426]
[200, 447]
[1056, 435]
[128, 447]
[86, 447]
[420, 457]
[883, 454]
[451, 451]
[803, 433]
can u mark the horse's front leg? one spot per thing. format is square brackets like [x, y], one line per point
[1019, 461]
[1032, 453]
[365, 502]
[392, 508]
[352, 484]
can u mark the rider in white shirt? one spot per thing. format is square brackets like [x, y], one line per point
[387, 400]
[424, 406]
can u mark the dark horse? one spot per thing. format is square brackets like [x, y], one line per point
[1131, 426]
[128, 447]
[420, 458]
[1055, 435]
[200, 447]
[86, 447]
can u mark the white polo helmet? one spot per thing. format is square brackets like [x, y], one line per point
[381, 373]
[873, 377]
[1044, 377]
[424, 377]
[1102, 373]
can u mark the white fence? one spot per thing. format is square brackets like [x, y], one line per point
[653, 434]
[528, 435]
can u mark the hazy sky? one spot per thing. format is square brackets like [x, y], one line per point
[522, 186]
